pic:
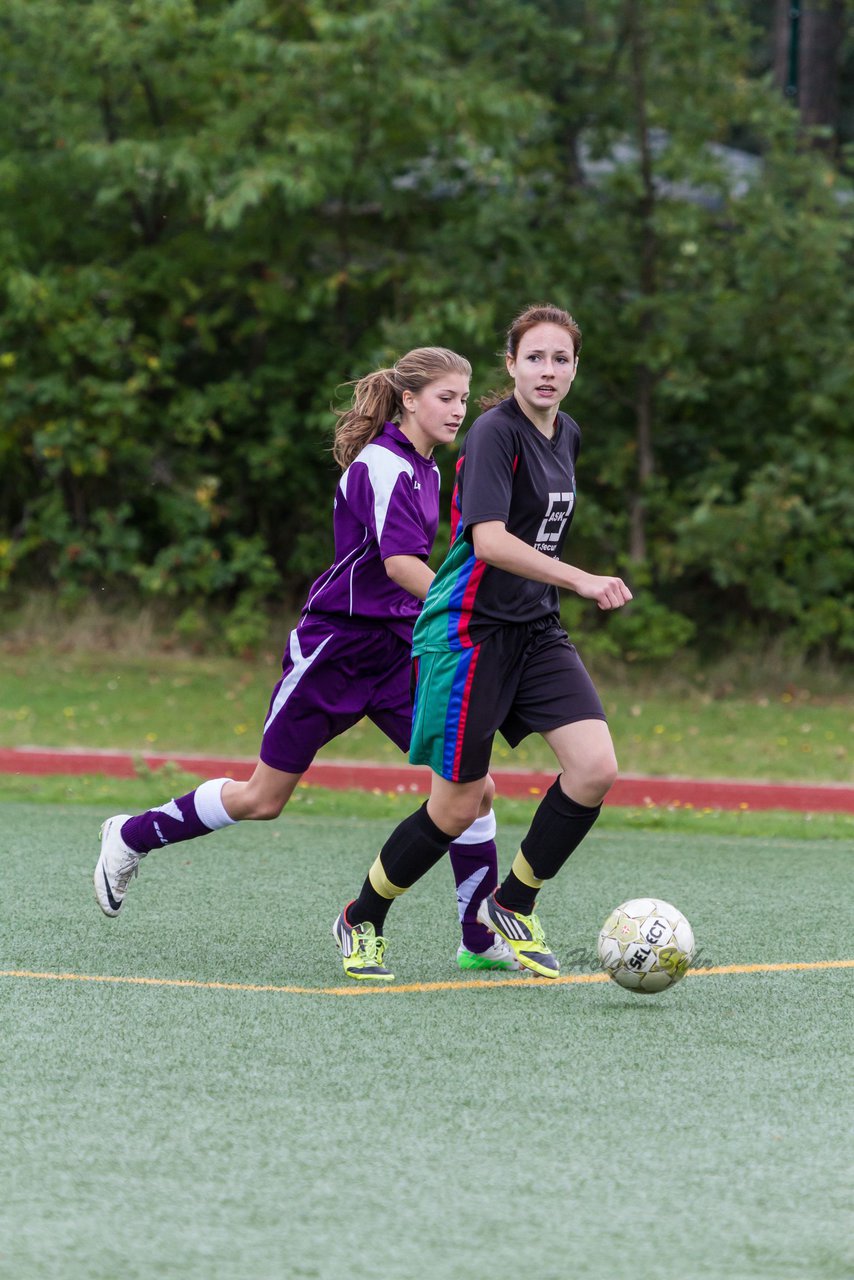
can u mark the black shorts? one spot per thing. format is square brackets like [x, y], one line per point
[524, 678]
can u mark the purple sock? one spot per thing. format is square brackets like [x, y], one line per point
[474, 859]
[195, 814]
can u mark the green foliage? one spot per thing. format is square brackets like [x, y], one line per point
[213, 214]
[785, 547]
[645, 631]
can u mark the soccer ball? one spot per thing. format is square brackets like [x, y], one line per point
[646, 945]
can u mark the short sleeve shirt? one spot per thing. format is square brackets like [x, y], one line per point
[386, 504]
[507, 471]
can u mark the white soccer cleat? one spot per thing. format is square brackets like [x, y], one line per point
[116, 865]
[498, 956]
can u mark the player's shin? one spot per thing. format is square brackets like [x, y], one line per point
[196, 814]
[411, 850]
[474, 861]
[558, 827]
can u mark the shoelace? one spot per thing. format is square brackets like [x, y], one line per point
[125, 873]
[537, 935]
[371, 947]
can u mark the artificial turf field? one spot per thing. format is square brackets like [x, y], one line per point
[448, 1127]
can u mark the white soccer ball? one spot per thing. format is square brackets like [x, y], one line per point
[646, 945]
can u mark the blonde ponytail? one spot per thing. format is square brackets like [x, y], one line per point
[374, 403]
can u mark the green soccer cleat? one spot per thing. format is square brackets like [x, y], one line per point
[497, 957]
[362, 950]
[523, 934]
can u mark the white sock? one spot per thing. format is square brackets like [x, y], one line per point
[209, 806]
[481, 829]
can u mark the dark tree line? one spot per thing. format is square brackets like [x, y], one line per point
[213, 214]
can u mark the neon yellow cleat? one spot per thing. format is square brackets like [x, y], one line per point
[361, 950]
[523, 934]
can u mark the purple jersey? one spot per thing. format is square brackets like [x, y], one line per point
[387, 504]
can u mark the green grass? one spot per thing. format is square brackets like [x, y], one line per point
[153, 786]
[664, 724]
[556, 1131]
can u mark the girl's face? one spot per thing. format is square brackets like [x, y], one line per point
[434, 414]
[542, 370]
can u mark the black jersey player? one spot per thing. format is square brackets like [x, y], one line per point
[491, 655]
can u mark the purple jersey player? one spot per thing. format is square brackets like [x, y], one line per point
[349, 654]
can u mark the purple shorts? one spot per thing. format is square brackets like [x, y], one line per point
[332, 676]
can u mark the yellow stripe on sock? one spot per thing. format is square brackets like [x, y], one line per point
[522, 871]
[381, 882]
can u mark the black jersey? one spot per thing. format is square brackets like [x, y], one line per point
[507, 471]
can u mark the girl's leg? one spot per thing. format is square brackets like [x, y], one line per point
[262, 797]
[567, 811]
[217, 803]
[411, 850]
[220, 802]
[565, 815]
[415, 846]
[318, 696]
[474, 863]
[453, 740]
[473, 854]
[585, 753]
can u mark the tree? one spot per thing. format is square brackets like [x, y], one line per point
[808, 43]
[211, 206]
[216, 212]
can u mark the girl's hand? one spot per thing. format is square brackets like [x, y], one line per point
[609, 593]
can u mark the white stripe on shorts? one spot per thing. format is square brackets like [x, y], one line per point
[292, 679]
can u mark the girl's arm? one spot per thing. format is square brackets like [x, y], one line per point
[410, 573]
[495, 546]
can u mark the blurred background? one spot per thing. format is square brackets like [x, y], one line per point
[214, 214]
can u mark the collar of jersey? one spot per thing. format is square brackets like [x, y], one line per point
[520, 412]
[393, 431]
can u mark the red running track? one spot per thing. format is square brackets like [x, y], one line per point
[628, 790]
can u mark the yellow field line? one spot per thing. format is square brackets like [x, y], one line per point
[402, 988]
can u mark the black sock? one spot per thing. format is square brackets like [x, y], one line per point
[516, 896]
[558, 827]
[369, 908]
[411, 850]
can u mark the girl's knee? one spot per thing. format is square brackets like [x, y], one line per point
[589, 778]
[266, 809]
[453, 806]
[258, 807]
[598, 776]
[455, 817]
[486, 799]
